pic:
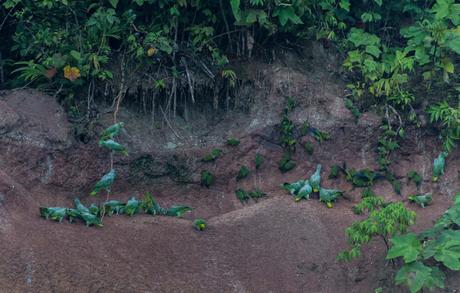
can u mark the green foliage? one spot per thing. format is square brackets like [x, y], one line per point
[92, 216]
[384, 222]
[207, 178]
[211, 157]
[424, 253]
[417, 276]
[449, 118]
[233, 142]
[368, 204]
[242, 173]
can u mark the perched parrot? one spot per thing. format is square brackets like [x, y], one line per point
[242, 173]
[215, 153]
[54, 213]
[149, 205]
[199, 224]
[329, 195]
[94, 209]
[90, 219]
[233, 142]
[132, 206]
[293, 188]
[259, 161]
[72, 214]
[304, 192]
[315, 179]
[80, 207]
[113, 206]
[422, 199]
[112, 131]
[242, 195]
[177, 211]
[256, 194]
[207, 178]
[114, 146]
[438, 166]
[105, 182]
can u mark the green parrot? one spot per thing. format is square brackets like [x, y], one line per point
[315, 179]
[256, 194]
[329, 195]
[438, 166]
[90, 219]
[304, 192]
[242, 195]
[114, 146]
[105, 182]
[259, 161]
[149, 205]
[207, 178]
[132, 206]
[199, 224]
[233, 142]
[53, 213]
[94, 209]
[72, 214]
[113, 206]
[422, 199]
[112, 131]
[215, 153]
[80, 207]
[286, 164]
[293, 188]
[242, 173]
[177, 210]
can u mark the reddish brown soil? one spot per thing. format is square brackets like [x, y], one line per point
[274, 245]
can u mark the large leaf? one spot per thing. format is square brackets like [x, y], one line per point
[406, 246]
[416, 276]
[114, 3]
[236, 9]
[285, 14]
[445, 249]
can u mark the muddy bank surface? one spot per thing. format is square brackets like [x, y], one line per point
[273, 245]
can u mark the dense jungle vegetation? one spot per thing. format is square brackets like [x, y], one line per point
[400, 56]
[400, 59]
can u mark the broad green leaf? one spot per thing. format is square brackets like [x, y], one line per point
[373, 50]
[235, 4]
[454, 44]
[406, 246]
[445, 249]
[416, 276]
[285, 14]
[345, 5]
[114, 3]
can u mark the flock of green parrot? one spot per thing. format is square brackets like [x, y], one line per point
[93, 214]
[301, 189]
